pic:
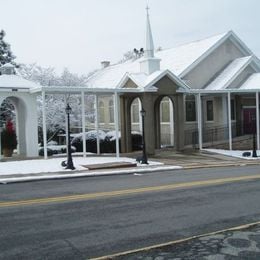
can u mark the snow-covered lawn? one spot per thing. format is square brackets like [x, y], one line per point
[54, 164]
[237, 154]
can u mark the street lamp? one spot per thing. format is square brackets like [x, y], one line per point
[69, 164]
[144, 158]
[1, 128]
[253, 119]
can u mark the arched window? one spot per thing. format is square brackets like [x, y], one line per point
[101, 108]
[135, 110]
[165, 110]
[166, 122]
[111, 111]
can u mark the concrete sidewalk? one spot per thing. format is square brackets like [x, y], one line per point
[238, 243]
[171, 160]
[199, 159]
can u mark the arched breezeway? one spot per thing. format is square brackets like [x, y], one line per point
[25, 122]
[163, 120]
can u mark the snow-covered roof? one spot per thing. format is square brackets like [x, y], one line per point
[145, 81]
[176, 60]
[179, 58]
[16, 82]
[253, 82]
[223, 80]
[7, 65]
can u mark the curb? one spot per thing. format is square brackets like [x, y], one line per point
[240, 164]
[216, 165]
[78, 174]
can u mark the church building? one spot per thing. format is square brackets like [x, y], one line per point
[193, 94]
[197, 95]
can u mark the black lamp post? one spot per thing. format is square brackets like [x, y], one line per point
[1, 128]
[253, 122]
[144, 158]
[69, 164]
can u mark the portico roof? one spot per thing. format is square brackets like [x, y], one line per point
[15, 82]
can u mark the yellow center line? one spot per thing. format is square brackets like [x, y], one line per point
[89, 196]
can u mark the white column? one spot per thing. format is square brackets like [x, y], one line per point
[116, 116]
[66, 121]
[44, 130]
[257, 121]
[97, 124]
[139, 115]
[225, 111]
[83, 123]
[171, 122]
[0, 143]
[17, 129]
[229, 122]
[199, 120]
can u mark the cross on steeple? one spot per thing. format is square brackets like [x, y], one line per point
[147, 8]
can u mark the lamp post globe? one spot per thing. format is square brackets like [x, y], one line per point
[68, 109]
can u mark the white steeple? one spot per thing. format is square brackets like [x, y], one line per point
[149, 47]
[149, 63]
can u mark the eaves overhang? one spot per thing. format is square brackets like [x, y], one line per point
[223, 91]
[78, 90]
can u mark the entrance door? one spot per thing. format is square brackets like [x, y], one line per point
[249, 120]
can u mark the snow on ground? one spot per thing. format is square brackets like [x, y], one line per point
[237, 154]
[54, 164]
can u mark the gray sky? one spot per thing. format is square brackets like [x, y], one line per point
[78, 34]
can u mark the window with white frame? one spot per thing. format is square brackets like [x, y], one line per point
[101, 108]
[135, 111]
[111, 111]
[190, 108]
[209, 110]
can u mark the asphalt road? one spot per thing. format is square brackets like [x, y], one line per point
[49, 220]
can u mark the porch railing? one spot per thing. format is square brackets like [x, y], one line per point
[215, 136]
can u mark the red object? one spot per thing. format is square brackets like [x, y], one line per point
[249, 115]
[9, 126]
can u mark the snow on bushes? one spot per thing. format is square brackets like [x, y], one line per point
[107, 141]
